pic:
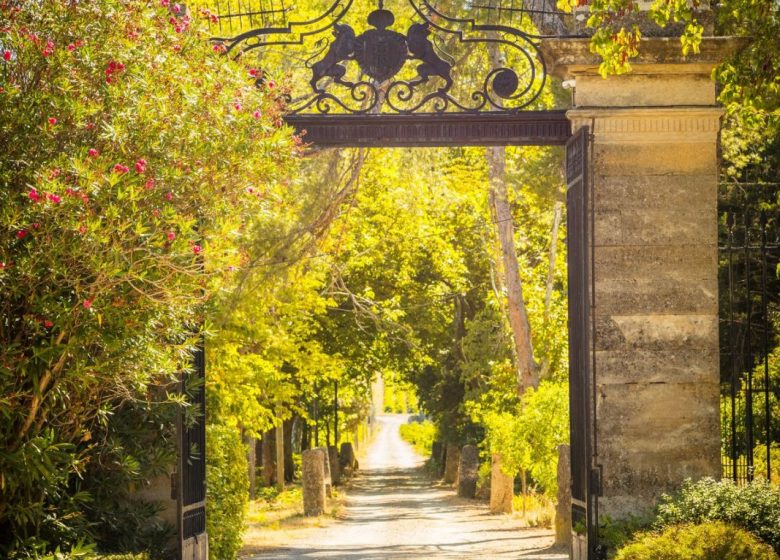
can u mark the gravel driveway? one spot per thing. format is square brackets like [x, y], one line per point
[394, 512]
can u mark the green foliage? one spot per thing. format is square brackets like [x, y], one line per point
[129, 146]
[615, 533]
[227, 486]
[754, 507]
[708, 541]
[528, 439]
[420, 435]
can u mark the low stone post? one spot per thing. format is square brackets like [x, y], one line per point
[563, 509]
[437, 451]
[328, 476]
[467, 471]
[335, 468]
[451, 463]
[313, 467]
[502, 488]
[348, 461]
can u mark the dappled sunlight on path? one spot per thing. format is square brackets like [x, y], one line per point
[394, 512]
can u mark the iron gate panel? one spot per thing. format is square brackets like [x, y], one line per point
[193, 540]
[580, 371]
[749, 306]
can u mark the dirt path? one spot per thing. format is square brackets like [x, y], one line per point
[394, 512]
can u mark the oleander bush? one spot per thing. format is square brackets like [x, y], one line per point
[134, 163]
[712, 540]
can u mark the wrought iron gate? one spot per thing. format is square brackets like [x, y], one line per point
[584, 483]
[193, 539]
[749, 311]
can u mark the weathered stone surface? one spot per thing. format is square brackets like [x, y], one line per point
[563, 507]
[335, 467]
[501, 487]
[347, 458]
[327, 470]
[467, 471]
[451, 462]
[313, 475]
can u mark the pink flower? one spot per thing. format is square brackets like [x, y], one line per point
[87, 303]
[90, 126]
[69, 191]
[237, 106]
[253, 72]
[49, 48]
[165, 3]
[140, 166]
[149, 184]
[48, 324]
[54, 198]
[177, 8]
[250, 190]
[52, 121]
[93, 153]
[34, 196]
[169, 196]
[7, 55]
[197, 249]
[71, 47]
[121, 169]
[171, 236]
[219, 48]
[257, 114]
[36, 225]
[271, 84]
[82, 229]
[21, 234]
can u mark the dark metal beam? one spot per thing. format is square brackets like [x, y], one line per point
[524, 128]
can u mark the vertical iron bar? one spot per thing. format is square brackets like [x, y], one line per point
[750, 444]
[732, 338]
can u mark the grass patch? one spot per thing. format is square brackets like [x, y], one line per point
[534, 510]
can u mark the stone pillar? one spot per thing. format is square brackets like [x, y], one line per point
[313, 475]
[563, 507]
[335, 468]
[328, 476]
[451, 463]
[502, 487]
[347, 458]
[467, 471]
[654, 176]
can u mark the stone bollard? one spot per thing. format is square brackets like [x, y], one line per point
[563, 509]
[437, 450]
[335, 468]
[467, 471]
[348, 460]
[313, 475]
[451, 463]
[328, 475]
[502, 488]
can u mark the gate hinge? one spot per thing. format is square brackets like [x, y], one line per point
[596, 486]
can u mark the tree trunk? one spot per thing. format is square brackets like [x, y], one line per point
[289, 464]
[269, 457]
[557, 213]
[279, 437]
[527, 369]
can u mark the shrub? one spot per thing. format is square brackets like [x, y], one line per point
[134, 163]
[754, 507]
[421, 435]
[227, 486]
[708, 541]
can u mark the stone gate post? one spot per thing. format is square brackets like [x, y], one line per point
[654, 174]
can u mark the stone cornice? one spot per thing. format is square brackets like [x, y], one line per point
[649, 125]
[567, 58]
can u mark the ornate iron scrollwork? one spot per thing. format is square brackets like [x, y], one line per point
[384, 70]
